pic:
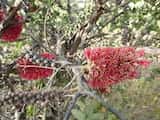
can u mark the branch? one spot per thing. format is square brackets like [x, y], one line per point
[69, 9]
[82, 33]
[71, 105]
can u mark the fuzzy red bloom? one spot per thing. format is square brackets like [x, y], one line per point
[144, 63]
[29, 71]
[13, 31]
[109, 66]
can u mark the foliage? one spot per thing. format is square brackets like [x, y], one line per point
[63, 28]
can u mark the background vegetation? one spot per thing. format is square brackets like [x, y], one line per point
[122, 23]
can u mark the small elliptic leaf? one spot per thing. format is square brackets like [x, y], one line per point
[96, 116]
[78, 115]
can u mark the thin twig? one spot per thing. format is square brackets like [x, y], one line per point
[45, 26]
[49, 84]
[73, 79]
[69, 10]
[6, 117]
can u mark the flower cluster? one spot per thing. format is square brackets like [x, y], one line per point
[110, 65]
[34, 71]
[13, 31]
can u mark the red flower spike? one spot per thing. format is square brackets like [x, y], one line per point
[141, 53]
[144, 63]
[12, 32]
[113, 65]
[48, 56]
[29, 71]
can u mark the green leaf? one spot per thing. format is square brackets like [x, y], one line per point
[96, 116]
[91, 106]
[78, 115]
[140, 4]
[81, 105]
[31, 110]
[158, 23]
[131, 5]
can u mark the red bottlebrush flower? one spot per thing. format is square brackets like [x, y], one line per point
[48, 56]
[140, 53]
[29, 71]
[144, 63]
[13, 31]
[113, 65]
